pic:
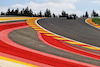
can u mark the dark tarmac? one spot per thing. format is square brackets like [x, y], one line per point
[74, 29]
[29, 38]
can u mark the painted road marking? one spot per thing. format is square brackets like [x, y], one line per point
[92, 23]
[60, 38]
[3, 19]
[26, 65]
[4, 63]
[14, 63]
[74, 42]
[51, 35]
[92, 47]
[43, 31]
[67, 40]
[37, 29]
[8, 62]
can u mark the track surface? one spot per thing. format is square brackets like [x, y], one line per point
[32, 41]
[28, 38]
[74, 29]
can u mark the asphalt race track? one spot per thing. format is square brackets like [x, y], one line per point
[27, 37]
[34, 48]
[74, 29]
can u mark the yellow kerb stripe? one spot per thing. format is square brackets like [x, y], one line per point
[33, 25]
[60, 38]
[43, 31]
[51, 35]
[16, 61]
[90, 47]
[97, 26]
[74, 43]
[14, 18]
[36, 28]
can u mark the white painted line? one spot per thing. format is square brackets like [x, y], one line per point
[62, 36]
[4, 63]
[91, 24]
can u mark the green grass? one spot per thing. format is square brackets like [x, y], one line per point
[96, 20]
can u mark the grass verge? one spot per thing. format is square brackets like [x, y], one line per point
[96, 20]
